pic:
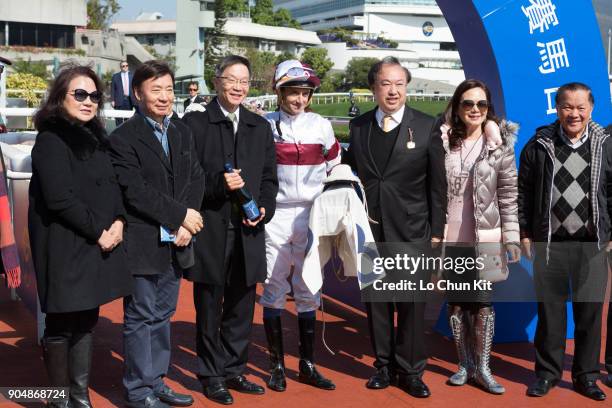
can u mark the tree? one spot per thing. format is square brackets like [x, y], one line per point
[319, 61]
[334, 82]
[282, 18]
[99, 15]
[213, 42]
[236, 6]
[357, 72]
[263, 13]
[170, 58]
[286, 55]
[262, 69]
[36, 68]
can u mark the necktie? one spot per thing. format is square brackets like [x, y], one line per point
[125, 80]
[386, 123]
[232, 117]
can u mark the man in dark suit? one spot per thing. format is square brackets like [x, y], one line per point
[400, 162]
[193, 95]
[122, 96]
[163, 185]
[230, 253]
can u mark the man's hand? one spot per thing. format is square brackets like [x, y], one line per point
[435, 242]
[116, 231]
[183, 237]
[233, 181]
[527, 248]
[113, 104]
[515, 253]
[106, 241]
[193, 221]
[250, 223]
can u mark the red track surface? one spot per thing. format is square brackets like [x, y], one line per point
[346, 333]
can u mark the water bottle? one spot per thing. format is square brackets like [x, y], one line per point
[245, 199]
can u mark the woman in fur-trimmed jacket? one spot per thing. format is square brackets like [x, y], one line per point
[76, 228]
[482, 222]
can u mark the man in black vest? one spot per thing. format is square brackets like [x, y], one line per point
[565, 206]
[400, 162]
[230, 251]
[163, 185]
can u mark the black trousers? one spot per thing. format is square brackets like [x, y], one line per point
[65, 325]
[575, 271]
[401, 349]
[224, 318]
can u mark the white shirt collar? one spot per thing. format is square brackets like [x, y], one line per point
[225, 112]
[580, 142]
[396, 118]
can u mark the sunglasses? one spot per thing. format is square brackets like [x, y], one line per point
[124, 66]
[81, 95]
[193, 89]
[297, 72]
[469, 104]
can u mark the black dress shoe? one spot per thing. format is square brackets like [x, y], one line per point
[541, 387]
[607, 380]
[174, 398]
[217, 392]
[150, 402]
[241, 384]
[414, 386]
[589, 389]
[381, 379]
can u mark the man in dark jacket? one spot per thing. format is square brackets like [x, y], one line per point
[565, 205]
[122, 96]
[230, 251]
[162, 182]
[193, 89]
[400, 160]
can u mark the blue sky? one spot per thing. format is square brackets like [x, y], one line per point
[131, 8]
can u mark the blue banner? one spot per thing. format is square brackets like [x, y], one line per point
[525, 49]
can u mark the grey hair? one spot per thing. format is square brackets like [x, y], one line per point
[229, 61]
[375, 69]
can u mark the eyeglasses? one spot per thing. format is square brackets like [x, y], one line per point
[227, 81]
[81, 95]
[124, 66]
[469, 104]
[193, 89]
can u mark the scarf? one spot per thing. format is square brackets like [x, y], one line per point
[8, 247]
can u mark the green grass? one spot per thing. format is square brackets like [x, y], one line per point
[433, 108]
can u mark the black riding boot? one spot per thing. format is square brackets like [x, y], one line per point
[55, 353]
[274, 334]
[308, 372]
[80, 367]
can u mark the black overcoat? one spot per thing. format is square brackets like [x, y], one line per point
[255, 155]
[157, 189]
[74, 196]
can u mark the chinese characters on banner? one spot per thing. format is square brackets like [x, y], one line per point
[553, 54]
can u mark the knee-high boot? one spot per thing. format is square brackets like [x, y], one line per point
[459, 325]
[308, 372]
[483, 340]
[55, 353]
[274, 335]
[79, 368]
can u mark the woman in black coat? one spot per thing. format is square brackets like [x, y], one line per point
[75, 226]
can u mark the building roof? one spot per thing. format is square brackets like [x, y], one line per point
[238, 27]
[241, 27]
[145, 27]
